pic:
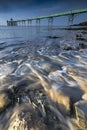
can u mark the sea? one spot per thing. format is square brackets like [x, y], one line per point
[45, 53]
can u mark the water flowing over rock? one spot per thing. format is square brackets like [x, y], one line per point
[43, 82]
[84, 97]
[24, 117]
[81, 113]
[4, 99]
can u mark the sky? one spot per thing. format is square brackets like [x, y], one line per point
[22, 9]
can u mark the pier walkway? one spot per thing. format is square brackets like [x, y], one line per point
[50, 18]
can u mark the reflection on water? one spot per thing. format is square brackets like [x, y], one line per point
[42, 67]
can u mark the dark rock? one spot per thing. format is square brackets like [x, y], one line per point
[25, 117]
[82, 46]
[81, 113]
[66, 47]
[53, 37]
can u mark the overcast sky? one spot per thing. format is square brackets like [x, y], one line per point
[20, 9]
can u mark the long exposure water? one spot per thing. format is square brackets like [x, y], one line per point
[52, 57]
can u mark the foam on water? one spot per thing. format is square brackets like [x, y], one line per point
[42, 61]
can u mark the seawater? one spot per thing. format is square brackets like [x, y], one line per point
[50, 54]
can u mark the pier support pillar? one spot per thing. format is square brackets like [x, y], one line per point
[50, 21]
[38, 22]
[18, 23]
[71, 19]
[30, 22]
[23, 22]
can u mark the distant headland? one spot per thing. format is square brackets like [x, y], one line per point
[81, 24]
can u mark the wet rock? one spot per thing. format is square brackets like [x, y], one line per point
[4, 100]
[81, 113]
[25, 117]
[84, 97]
[84, 32]
[6, 69]
[53, 37]
[80, 38]
[56, 97]
[65, 46]
[22, 70]
[48, 67]
[78, 35]
[24, 99]
[82, 46]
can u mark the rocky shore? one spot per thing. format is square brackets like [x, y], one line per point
[44, 86]
[45, 98]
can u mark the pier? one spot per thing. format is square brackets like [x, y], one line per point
[50, 18]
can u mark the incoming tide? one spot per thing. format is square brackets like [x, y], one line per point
[42, 70]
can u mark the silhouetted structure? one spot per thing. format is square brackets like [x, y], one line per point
[50, 18]
[11, 22]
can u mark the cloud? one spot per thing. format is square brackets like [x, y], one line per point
[20, 9]
[46, 6]
[10, 5]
